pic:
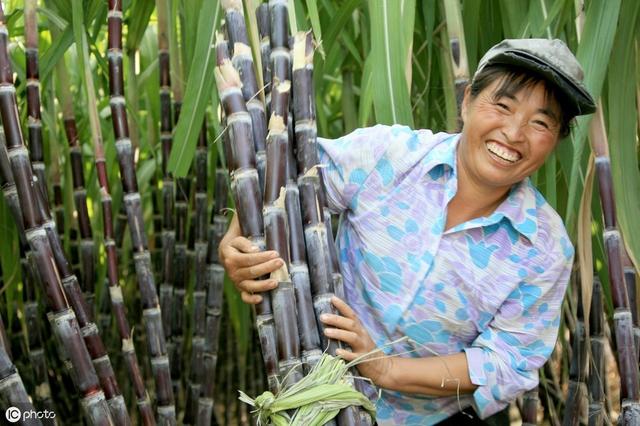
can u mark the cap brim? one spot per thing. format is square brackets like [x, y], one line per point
[579, 98]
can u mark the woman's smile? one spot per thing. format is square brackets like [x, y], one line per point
[503, 154]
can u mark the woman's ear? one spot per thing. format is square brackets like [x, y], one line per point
[465, 103]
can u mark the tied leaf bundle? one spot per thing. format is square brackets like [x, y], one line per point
[316, 398]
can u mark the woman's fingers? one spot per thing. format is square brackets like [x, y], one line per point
[244, 245]
[346, 355]
[257, 286]
[255, 271]
[348, 337]
[252, 299]
[339, 321]
[240, 253]
[343, 308]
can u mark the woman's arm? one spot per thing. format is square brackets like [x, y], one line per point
[438, 375]
[442, 375]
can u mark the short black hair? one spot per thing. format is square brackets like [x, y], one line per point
[516, 78]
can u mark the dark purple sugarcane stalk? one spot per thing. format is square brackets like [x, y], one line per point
[150, 304]
[575, 411]
[597, 370]
[115, 292]
[246, 191]
[86, 249]
[242, 60]
[34, 126]
[214, 296]
[530, 402]
[180, 280]
[280, 57]
[34, 122]
[630, 281]
[82, 309]
[63, 319]
[168, 184]
[196, 366]
[323, 264]
[622, 317]
[43, 397]
[12, 391]
[32, 319]
[276, 230]
[316, 238]
[181, 266]
[89, 330]
[304, 115]
[264, 29]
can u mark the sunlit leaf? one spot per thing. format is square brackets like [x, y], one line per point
[198, 93]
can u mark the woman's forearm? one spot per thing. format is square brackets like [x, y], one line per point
[437, 375]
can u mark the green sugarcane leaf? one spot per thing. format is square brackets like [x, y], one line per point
[54, 18]
[366, 93]
[514, 17]
[338, 23]
[191, 11]
[623, 120]
[349, 111]
[314, 17]
[388, 50]
[55, 52]
[197, 94]
[138, 22]
[593, 53]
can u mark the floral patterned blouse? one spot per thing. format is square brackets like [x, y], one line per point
[491, 287]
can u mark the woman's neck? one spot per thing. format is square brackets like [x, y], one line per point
[472, 200]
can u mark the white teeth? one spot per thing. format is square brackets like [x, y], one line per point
[502, 152]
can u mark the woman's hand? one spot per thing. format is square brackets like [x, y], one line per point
[349, 329]
[246, 265]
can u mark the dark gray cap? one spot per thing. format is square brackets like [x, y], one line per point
[552, 59]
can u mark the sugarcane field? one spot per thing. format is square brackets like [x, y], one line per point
[319, 212]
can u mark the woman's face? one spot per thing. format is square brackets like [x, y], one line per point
[507, 138]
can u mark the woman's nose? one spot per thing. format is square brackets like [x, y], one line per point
[512, 130]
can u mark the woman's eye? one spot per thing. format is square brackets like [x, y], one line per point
[502, 105]
[541, 123]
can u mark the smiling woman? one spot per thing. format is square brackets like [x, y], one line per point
[445, 241]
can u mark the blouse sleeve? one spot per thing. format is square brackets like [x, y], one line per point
[348, 161]
[504, 359]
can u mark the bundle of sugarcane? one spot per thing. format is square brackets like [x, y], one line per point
[324, 268]
[246, 191]
[294, 219]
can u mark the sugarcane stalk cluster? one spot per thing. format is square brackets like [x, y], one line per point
[284, 210]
